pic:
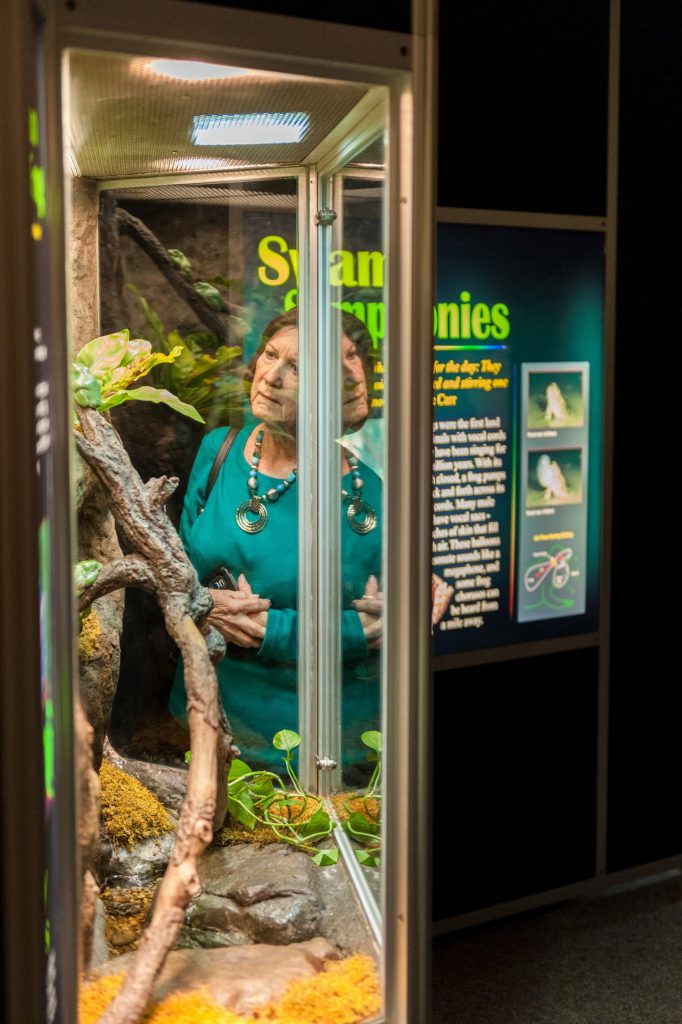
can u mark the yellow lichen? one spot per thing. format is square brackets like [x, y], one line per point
[88, 638]
[130, 812]
[346, 992]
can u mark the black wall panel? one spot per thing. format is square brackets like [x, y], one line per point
[645, 767]
[523, 106]
[514, 779]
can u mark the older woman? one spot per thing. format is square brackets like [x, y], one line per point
[249, 523]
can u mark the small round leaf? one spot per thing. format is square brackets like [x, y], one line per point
[372, 739]
[286, 739]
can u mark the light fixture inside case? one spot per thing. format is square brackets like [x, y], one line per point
[249, 129]
[194, 70]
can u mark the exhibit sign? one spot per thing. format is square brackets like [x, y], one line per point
[517, 401]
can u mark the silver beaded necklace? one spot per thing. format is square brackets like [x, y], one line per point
[360, 515]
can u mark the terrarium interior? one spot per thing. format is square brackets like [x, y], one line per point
[192, 227]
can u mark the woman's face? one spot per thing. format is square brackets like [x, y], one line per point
[355, 398]
[274, 390]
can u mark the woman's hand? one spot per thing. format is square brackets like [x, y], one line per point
[240, 615]
[370, 608]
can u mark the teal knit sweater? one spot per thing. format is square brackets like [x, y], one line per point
[259, 686]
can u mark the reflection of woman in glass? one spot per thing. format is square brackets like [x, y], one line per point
[249, 524]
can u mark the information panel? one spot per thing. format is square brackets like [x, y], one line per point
[517, 396]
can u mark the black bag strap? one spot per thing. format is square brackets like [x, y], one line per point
[219, 459]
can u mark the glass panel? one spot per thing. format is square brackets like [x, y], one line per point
[188, 329]
[357, 328]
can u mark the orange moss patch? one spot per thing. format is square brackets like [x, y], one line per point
[130, 812]
[346, 992]
[346, 804]
[235, 832]
[298, 809]
[95, 996]
[191, 1008]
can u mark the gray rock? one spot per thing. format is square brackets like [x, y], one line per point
[343, 920]
[100, 950]
[249, 873]
[143, 861]
[254, 894]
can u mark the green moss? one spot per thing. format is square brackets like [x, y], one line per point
[129, 811]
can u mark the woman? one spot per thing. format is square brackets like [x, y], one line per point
[250, 525]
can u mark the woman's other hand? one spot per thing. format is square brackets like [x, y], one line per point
[240, 615]
[370, 608]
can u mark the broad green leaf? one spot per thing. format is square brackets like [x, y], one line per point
[358, 825]
[286, 739]
[367, 858]
[237, 769]
[124, 376]
[152, 319]
[226, 355]
[372, 739]
[323, 858]
[156, 395]
[319, 825]
[85, 573]
[105, 352]
[242, 809]
[262, 788]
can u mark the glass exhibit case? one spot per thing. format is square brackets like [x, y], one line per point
[248, 478]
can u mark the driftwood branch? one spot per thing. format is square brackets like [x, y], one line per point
[128, 571]
[160, 488]
[147, 240]
[161, 561]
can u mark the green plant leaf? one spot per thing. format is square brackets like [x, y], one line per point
[188, 756]
[237, 769]
[372, 739]
[360, 826]
[156, 395]
[319, 825]
[286, 739]
[262, 788]
[242, 809]
[85, 573]
[367, 858]
[152, 319]
[324, 858]
[110, 351]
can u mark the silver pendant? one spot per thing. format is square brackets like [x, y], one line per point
[361, 517]
[256, 508]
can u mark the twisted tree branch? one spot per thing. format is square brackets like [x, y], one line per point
[147, 240]
[129, 571]
[161, 564]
